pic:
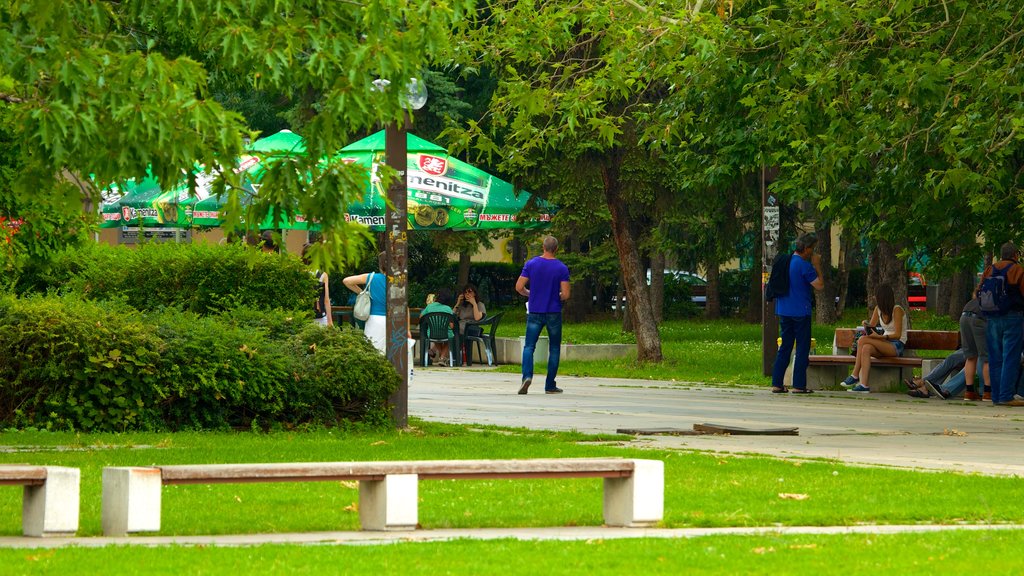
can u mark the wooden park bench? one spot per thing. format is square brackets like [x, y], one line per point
[50, 505]
[343, 315]
[825, 372]
[388, 491]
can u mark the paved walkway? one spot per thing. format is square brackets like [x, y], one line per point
[531, 534]
[879, 429]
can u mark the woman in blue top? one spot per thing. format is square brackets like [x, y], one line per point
[376, 324]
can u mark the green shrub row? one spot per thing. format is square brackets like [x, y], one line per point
[200, 278]
[77, 364]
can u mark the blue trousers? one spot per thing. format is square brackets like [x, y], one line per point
[793, 329]
[552, 321]
[1003, 340]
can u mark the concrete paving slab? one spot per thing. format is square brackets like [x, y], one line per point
[564, 533]
[870, 429]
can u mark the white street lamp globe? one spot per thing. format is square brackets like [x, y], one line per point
[416, 93]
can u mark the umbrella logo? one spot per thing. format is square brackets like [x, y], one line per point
[433, 164]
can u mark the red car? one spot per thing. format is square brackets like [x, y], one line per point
[916, 291]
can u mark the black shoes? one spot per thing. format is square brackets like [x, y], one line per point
[526, 386]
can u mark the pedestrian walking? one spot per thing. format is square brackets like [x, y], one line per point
[548, 280]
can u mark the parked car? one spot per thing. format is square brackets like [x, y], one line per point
[917, 291]
[698, 286]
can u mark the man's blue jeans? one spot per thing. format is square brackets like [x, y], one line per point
[552, 321]
[793, 329]
[1003, 340]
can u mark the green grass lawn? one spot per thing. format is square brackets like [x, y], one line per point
[960, 552]
[701, 489]
[723, 352]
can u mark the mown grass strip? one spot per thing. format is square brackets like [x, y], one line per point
[953, 552]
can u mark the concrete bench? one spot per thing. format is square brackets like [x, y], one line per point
[825, 372]
[388, 491]
[50, 504]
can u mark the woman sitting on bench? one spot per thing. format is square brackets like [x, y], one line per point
[889, 344]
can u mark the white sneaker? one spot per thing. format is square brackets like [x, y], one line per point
[1018, 397]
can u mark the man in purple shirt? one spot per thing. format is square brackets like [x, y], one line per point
[549, 286]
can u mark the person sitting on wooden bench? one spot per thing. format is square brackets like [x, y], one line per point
[894, 321]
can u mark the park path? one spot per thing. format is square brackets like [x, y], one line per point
[563, 533]
[876, 429]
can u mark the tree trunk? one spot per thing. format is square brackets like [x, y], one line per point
[846, 246]
[884, 267]
[825, 300]
[464, 261]
[658, 286]
[943, 296]
[648, 341]
[579, 297]
[756, 290]
[518, 251]
[713, 302]
[961, 290]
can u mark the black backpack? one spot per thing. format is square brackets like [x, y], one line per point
[778, 280]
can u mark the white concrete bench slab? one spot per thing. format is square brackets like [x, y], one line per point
[388, 491]
[50, 504]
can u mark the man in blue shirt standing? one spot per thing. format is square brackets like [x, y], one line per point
[549, 287]
[794, 312]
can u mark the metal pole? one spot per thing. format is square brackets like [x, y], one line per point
[770, 224]
[396, 223]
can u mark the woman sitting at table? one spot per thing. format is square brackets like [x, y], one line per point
[468, 308]
[442, 302]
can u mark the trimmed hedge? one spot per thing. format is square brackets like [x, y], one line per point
[200, 278]
[75, 364]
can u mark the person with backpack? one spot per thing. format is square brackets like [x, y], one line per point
[803, 272]
[322, 306]
[1001, 298]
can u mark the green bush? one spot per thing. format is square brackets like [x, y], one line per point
[200, 278]
[70, 363]
[734, 291]
[342, 376]
[218, 375]
[678, 301]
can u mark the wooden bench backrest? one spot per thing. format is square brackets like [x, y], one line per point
[343, 315]
[425, 469]
[916, 339]
[22, 475]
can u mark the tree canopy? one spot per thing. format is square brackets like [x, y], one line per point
[104, 91]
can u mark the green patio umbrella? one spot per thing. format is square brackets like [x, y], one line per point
[129, 205]
[445, 193]
[207, 211]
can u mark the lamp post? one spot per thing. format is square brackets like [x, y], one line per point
[396, 246]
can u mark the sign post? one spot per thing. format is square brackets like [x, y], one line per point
[770, 226]
[396, 240]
